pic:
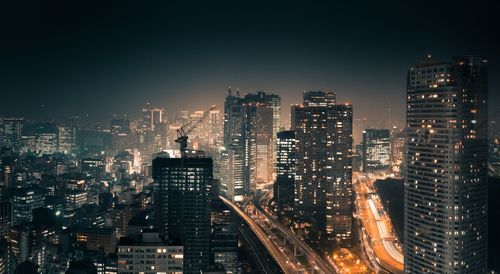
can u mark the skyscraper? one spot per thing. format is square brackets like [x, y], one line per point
[234, 169]
[250, 127]
[445, 171]
[284, 186]
[263, 124]
[152, 137]
[181, 199]
[376, 149]
[323, 183]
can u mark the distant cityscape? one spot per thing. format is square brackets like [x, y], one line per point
[230, 189]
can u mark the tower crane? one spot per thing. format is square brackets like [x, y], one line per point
[183, 131]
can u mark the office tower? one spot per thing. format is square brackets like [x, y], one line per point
[121, 135]
[24, 201]
[74, 199]
[233, 156]
[66, 139]
[215, 128]
[262, 125]
[323, 183]
[28, 144]
[149, 254]
[250, 127]
[231, 176]
[376, 149]
[284, 186]
[10, 132]
[181, 200]
[94, 167]
[152, 132]
[397, 150]
[46, 143]
[445, 171]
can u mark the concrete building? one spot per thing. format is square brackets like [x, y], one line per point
[284, 186]
[149, 255]
[323, 183]
[445, 200]
[181, 200]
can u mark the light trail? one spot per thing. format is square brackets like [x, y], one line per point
[277, 255]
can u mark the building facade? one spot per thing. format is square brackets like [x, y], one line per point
[149, 255]
[445, 171]
[376, 149]
[284, 186]
[181, 200]
[323, 182]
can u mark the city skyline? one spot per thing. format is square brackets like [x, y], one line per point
[238, 137]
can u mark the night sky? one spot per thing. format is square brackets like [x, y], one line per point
[65, 58]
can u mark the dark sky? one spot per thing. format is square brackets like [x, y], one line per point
[62, 58]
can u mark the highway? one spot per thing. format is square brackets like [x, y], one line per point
[313, 258]
[278, 255]
[377, 226]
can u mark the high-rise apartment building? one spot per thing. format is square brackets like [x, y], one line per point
[181, 200]
[376, 149]
[445, 164]
[323, 183]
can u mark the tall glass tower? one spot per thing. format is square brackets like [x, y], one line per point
[445, 170]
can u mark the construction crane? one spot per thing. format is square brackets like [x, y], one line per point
[183, 131]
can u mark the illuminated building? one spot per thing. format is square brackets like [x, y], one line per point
[149, 254]
[97, 238]
[397, 151]
[46, 143]
[376, 149]
[120, 131]
[181, 200]
[66, 139]
[250, 127]
[26, 199]
[10, 132]
[284, 186]
[224, 242]
[74, 199]
[323, 183]
[94, 167]
[445, 171]
[232, 173]
[152, 135]
[234, 168]
[262, 125]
